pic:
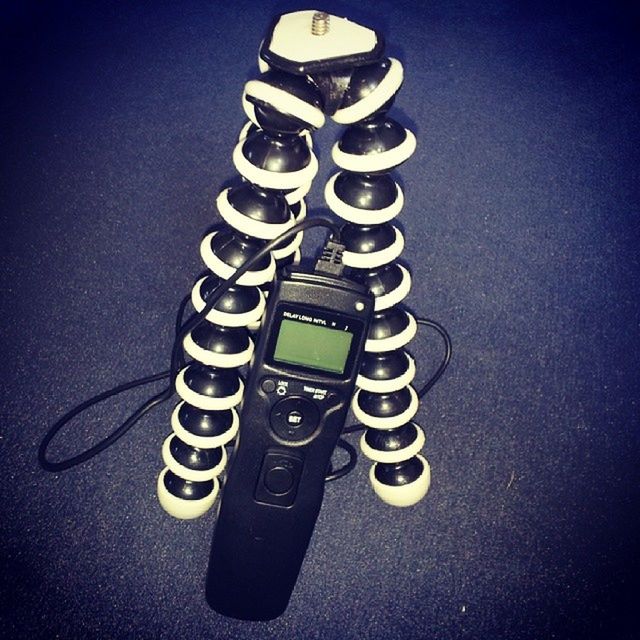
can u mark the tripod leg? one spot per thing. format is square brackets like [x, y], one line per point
[365, 195]
[274, 158]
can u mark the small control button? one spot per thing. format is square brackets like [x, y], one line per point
[278, 480]
[294, 418]
[268, 385]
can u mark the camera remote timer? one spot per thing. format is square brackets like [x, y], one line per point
[296, 400]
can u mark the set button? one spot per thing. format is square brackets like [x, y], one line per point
[294, 418]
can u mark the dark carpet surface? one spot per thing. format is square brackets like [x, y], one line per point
[522, 228]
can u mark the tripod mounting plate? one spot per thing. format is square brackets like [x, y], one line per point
[307, 42]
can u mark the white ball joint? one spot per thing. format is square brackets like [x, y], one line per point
[411, 490]
[210, 386]
[187, 507]
[203, 423]
[400, 476]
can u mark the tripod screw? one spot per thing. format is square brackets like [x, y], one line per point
[320, 24]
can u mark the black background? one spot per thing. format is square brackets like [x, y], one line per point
[521, 222]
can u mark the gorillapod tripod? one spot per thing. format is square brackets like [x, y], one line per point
[312, 64]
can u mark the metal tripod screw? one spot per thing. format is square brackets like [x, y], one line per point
[320, 23]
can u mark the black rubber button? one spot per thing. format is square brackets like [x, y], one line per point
[294, 418]
[278, 480]
[268, 385]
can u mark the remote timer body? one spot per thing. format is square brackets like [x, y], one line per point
[297, 396]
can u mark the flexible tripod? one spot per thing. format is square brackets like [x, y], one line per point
[313, 64]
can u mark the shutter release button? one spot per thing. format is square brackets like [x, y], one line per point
[278, 480]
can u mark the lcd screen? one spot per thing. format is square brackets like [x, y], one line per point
[311, 345]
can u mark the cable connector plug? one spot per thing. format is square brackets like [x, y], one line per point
[330, 262]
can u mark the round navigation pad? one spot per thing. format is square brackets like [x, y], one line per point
[294, 418]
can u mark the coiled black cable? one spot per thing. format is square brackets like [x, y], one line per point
[178, 361]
